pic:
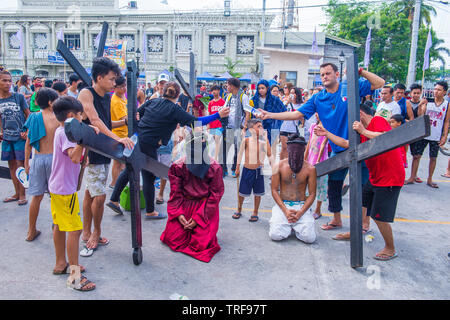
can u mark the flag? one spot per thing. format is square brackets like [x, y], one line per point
[144, 47]
[60, 34]
[97, 40]
[19, 36]
[367, 54]
[315, 49]
[426, 62]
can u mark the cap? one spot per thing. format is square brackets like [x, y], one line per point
[163, 77]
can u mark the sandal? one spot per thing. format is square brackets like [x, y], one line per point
[236, 215]
[418, 180]
[330, 226]
[10, 199]
[80, 285]
[433, 185]
[22, 202]
[159, 200]
[317, 215]
[253, 219]
[66, 270]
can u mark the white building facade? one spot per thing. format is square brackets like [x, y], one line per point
[168, 37]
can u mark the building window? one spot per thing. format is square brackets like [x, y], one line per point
[40, 41]
[184, 43]
[72, 41]
[155, 43]
[245, 45]
[130, 39]
[217, 44]
[288, 76]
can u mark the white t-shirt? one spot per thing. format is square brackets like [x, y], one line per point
[437, 117]
[392, 107]
[233, 103]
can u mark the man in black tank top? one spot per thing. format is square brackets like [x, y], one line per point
[97, 111]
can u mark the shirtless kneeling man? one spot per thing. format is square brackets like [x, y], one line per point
[292, 209]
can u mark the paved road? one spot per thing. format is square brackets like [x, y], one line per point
[250, 265]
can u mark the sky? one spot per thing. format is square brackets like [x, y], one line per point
[309, 17]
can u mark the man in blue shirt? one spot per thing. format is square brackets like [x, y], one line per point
[405, 105]
[332, 108]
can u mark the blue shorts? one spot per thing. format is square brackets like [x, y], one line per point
[216, 131]
[13, 150]
[251, 179]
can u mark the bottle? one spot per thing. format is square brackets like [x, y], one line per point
[344, 87]
[127, 152]
[253, 111]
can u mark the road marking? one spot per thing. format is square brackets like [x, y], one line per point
[347, 216]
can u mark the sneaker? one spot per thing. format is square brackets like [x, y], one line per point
[233, 174]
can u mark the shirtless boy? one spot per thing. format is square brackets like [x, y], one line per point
[252, 177]
[292, 209]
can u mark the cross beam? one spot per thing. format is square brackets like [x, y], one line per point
[351, 158]
[190, 90]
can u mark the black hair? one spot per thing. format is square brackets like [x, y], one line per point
[296, 138]
[252, 122]
[45, 96]
[366, 109]
[102, 66]
[443, 84]
[399, 86]
[215, 87]
[298, 95]
[81, 86]
[397, 117]
[48, 83]
[171, 90]
[332, 65]
[63, 105]
[391, 90]
[73, 78]
[273, 86]
[59, 86]
[120, 80]
[234, 82]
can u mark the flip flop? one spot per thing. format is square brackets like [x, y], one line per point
[408, 182]
[236, 215]
[253, 219]
[38, 233]
[330, 226]
[384, 257]
[445, 176]
[114, 208]
[418, 180]
[317, 216]
[22, 202]
[66, 270]
[340, 237]
[159, 201]
[433, 185]
[103, 241]
[10, 199]
[158, 217]
[85, 252]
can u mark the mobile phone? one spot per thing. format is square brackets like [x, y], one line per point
[430, 99]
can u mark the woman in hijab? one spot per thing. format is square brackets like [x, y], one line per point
[264, 99]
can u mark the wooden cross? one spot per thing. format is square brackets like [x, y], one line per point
[190, 90]
[351, 158]
[108, 147]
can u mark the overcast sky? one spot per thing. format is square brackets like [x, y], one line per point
[309, 17]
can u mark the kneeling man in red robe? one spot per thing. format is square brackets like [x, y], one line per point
[196, 187]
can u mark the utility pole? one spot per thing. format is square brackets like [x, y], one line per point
[415, 36]
[263, 40]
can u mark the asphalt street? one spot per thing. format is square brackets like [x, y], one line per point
[249, 265]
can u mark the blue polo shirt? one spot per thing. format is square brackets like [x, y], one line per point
[333, 110]
[402, 104]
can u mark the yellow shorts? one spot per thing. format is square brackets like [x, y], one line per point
[66, 212]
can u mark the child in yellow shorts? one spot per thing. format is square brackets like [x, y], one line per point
[63, 185]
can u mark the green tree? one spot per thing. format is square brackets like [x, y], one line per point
[391, 40]
[407, 7]
[231, 67]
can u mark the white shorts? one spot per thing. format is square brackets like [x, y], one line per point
[281, 229]
[96, 176]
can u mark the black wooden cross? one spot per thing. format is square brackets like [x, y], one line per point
[352, 157]
[108, 147]
[190, 90]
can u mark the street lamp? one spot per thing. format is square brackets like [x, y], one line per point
[341, 61]
[138, 57]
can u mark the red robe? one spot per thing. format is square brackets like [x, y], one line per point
[198, 199]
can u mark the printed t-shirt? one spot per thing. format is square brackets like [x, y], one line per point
[213, 108]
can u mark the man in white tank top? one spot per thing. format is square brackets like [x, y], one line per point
[439, 121]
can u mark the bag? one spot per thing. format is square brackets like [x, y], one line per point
[125, 199]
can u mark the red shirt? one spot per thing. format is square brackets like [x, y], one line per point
[386, 169]
[213, 107]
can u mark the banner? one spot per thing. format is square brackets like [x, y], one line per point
[116, 50]
[55, 57]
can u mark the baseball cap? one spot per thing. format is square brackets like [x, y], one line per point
[163, 77]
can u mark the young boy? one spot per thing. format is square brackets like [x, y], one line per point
[41, 131]
[252, 177]
[63, 185]
[13, 113]
[215, 127]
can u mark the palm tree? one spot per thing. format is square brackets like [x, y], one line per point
[231, 67]
[407, 7]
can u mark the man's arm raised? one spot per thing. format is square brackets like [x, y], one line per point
[87, 100]
[376, 82]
